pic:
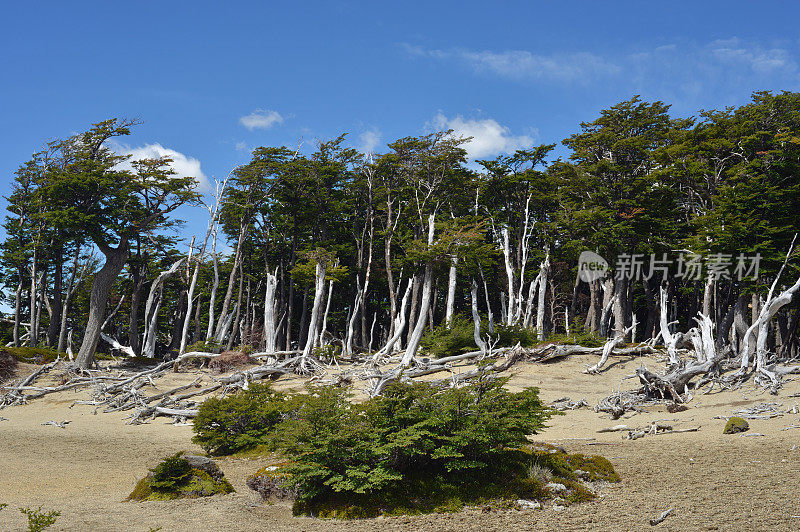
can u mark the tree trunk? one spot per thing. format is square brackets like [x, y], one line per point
[138, 274]
[451, 292]
[98, 298]
[476, 318]
[55, 318]
[319, 289]
[237, 315]
[17, 310]
[412, 318]
[270, 333]
[545, 272]
[237, 261]
[419, 327]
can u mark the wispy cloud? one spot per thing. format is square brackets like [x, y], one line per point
[489, 137]
[369, 140]
[756, 57]
[683, 72]
[261, 119]
[183, 165]
[523, 64]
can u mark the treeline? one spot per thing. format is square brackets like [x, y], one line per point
[354, 252]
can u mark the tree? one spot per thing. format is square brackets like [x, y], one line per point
[93, 197]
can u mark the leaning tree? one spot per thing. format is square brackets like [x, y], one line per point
[94, 196]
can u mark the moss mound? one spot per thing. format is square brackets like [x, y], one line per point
[735, 425]
[32, 355]
[176, 478]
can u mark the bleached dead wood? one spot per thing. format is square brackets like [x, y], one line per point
[610, 345]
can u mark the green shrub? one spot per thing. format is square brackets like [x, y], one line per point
[205, 347]
[241, 421]
[446, 341]
[413, 449]
[38, 520]
[171, 473]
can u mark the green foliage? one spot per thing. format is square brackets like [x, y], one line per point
[459, 337]
[38, 520]
[241, 421]
[209, 346]
[171, 473]
[445, 341]
[579, 337]
[33, 355]
[390, 450]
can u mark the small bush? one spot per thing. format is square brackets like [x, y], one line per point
[8, 365]
[229, 360]
[171, 473]
[38, 520]
[446, 341]
[241, 421]
[460, 337]
[204, 347]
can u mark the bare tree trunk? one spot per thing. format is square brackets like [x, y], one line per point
[509, 305]
[237, 261]
[476, 318]
[412, 318]
[620, 297]
[58, 296]
[545, 273]
[399, 326]
[324, 328]
[270, 334]
[33, 293]
[451, 292]
[237, 315]
[419, 327]
[17, 310]
[74, 279]
[98, 297]
[319, 289]
[151, 313]
[213, 297]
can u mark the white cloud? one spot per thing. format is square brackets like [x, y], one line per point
[183, 165]
[261, 119]
[489, 138]
[369, 140]
[522, 64]
[241, 146]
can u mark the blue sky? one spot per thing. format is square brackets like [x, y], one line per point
[212, 80]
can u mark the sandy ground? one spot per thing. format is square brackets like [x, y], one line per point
[713, 481]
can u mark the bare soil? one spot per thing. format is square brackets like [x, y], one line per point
[713, 481]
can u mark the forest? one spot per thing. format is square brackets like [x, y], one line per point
[337, 254]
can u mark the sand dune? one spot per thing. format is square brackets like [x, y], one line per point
[713, 481]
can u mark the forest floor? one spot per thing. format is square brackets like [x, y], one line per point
[713, 481]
